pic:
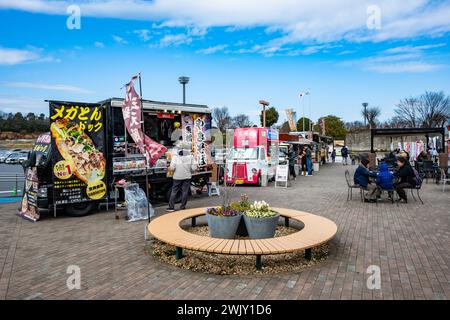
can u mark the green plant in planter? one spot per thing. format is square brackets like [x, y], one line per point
[241, 206]
[222, 212]
[260, 209]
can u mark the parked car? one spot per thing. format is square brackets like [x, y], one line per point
[3, 155]
[17, 157]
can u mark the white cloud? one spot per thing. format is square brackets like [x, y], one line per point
[298, 20]
[405, 59]
[402, 67]
[213, 49]
[99, 44]
[143, 34]
[119, 40]
[10, 56]
[414, 48]
[175, 40]
[23, 104]
[17, 56]
[46, 86]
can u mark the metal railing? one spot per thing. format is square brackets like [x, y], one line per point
[11, 184]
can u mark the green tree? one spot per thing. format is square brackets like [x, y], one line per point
[271, 117]
[334, 127]
[307, 124]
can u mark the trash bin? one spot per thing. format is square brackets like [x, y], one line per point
[316, 167]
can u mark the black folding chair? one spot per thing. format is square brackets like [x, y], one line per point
[350, 184]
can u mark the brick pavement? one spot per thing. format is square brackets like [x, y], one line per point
[409, 242]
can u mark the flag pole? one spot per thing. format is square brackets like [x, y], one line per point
[145, 145]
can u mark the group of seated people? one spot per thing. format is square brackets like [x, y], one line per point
[402, 178]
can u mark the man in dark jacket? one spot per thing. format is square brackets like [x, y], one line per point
[344, 153]
[406, 176]
[292, 156]
[361, 178]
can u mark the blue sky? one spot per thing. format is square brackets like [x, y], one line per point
[235, 53]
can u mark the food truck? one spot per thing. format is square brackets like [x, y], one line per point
[89, 149]
[253, 156]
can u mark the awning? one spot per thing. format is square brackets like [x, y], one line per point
[301, 141]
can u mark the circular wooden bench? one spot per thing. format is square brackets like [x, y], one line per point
[317, 230]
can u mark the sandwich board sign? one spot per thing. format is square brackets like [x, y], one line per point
[281, 176]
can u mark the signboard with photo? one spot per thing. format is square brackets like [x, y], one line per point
[28, 208]
[78, 160]
[39, 158]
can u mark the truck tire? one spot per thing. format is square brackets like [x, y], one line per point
[259, 183]
[79, 209]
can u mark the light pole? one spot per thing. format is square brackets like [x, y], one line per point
[365, 104]
[264, 104]
[184, 80]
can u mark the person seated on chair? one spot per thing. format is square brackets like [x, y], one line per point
[385, 179]
[406, 176]
[361, 178]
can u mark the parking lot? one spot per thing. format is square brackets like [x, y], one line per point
[11, 178]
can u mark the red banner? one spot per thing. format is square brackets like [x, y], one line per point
[132, 116]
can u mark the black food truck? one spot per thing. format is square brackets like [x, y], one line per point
[90, 150]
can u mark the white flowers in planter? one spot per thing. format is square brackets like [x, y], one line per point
[260, 209]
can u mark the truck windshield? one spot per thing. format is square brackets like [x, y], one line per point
[244, 153]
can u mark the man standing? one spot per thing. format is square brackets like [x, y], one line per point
[182, 166]
[291, 158]
[344, 153]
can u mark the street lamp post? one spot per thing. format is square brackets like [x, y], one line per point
[365, 104]
[264, 104]
[184, 80]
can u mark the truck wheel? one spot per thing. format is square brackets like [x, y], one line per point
[79, 209]
[259, 181]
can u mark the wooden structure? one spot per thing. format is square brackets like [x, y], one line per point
[317, 231]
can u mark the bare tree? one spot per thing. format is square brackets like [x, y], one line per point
[406, 112]
[222, 118]
[371, 115]
[396, 122]
[434, 109]
[241, 121]
[354, 125]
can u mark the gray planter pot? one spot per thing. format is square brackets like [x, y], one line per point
[261, 228]
[223, 227]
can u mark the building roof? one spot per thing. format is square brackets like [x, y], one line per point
[162, 105]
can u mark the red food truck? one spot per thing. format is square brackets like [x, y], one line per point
[253, 156]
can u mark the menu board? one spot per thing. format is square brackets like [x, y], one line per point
[28, 208]
[78, 160]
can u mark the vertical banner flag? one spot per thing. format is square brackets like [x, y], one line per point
[187, 125]
[132, 116]
[290, 115]
[78, 159]
[322, 125]
[201, 148]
